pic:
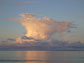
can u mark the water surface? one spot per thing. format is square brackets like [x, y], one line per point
[41, 56]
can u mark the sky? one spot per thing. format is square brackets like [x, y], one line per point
[59, 10]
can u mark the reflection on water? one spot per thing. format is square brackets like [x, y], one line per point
[34, 55]
[41, 57]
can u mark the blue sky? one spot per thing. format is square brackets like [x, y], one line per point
[59, 10]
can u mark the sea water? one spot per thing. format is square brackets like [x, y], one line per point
[41, 56]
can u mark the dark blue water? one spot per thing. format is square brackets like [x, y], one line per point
[41, 56]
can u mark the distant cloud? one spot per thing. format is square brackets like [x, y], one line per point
[11, 39]
[8, 40]
[11, 19]
[23, 3]
[55, 45]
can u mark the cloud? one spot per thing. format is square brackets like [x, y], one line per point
[11, 39]
[14, 19]
[40, 28]
[23, 3]
[54, 46]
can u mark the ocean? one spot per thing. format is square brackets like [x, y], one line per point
[41, 56]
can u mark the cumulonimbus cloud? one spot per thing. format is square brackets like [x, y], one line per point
[40, 28]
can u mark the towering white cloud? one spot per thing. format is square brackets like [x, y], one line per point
[40, 28]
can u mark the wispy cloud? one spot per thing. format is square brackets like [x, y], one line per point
[11, 39]
[12, 19]
[23, 3]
